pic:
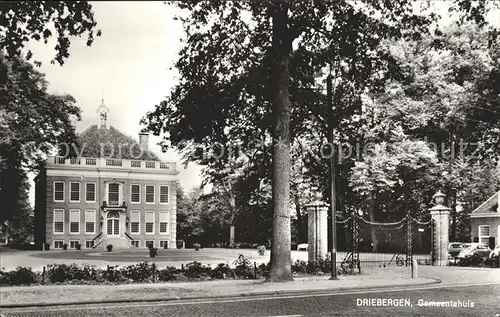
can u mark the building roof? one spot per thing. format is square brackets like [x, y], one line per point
[489, 206]
[111, 143]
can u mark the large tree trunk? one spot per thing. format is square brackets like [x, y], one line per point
[281, 236]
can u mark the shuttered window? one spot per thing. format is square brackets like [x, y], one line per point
[135, 220]
[150, 194]
[113, 194]
[163, 222]
[484, 234]
[58, 191]
[163, 194]
[150, 222]
[90, 221]
[58, 221]
[135, 193]
[90, 192]
[74, 221]
[74, 192]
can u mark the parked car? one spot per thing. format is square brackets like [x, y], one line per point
[495, 252]
[454, 248]
[302, 247]
[473, 253]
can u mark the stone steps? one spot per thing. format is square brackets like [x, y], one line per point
[118, 243]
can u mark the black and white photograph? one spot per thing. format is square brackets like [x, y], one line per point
[267, 158]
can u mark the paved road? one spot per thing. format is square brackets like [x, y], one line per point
[483, 298]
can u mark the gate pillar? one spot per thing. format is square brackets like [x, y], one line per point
[441, 218]
[317, 230]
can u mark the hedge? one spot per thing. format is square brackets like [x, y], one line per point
[146, 272]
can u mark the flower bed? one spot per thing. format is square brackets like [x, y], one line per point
[146, 272]
[143, 272]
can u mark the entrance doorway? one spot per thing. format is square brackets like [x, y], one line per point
[113, 224]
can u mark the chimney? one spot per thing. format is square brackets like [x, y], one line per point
[144, 141]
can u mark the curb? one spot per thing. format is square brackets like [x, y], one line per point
[221, 297]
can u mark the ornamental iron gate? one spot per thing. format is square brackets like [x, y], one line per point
[370, 244]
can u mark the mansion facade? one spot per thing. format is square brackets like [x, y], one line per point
[117, 192]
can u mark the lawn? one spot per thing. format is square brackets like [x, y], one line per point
[172, 257]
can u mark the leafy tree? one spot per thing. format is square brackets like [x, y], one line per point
[23, 21]
[450, 102]
[21, 226]
[239, 65]
[35, 121]
[188, 213]
[32, 119]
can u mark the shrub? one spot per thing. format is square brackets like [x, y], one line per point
[113, 274]
[63, 272]
[65, 246]
[19, 276]
[299, 267]
[324, 264]
[222, 271]
[168, 274]
[261, 249]
[312, 267]
[263, 270]
[138, 272]
[109, 247]
[153, 252]
[243, 267]
[196, 270]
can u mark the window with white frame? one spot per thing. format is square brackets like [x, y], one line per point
[135, 221]
[164, 222]
[74, 221]
[135, 243]
[58, 221]
[150, 194]
[164, 244]
[114, 194]
[163, 194]
[58, 244]
[90, 221]
[90, 192]
[484, 234]
[89, 244]
[74, 192]
[135, 193]
[149, 222]
[58, 191]
[149, 244]
[73, 244]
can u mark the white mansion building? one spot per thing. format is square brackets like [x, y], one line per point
[118, 192]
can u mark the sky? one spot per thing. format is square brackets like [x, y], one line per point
[128, 67]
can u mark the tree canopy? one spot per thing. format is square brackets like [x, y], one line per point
[24, 21]
[245, 65]
[34, 121]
